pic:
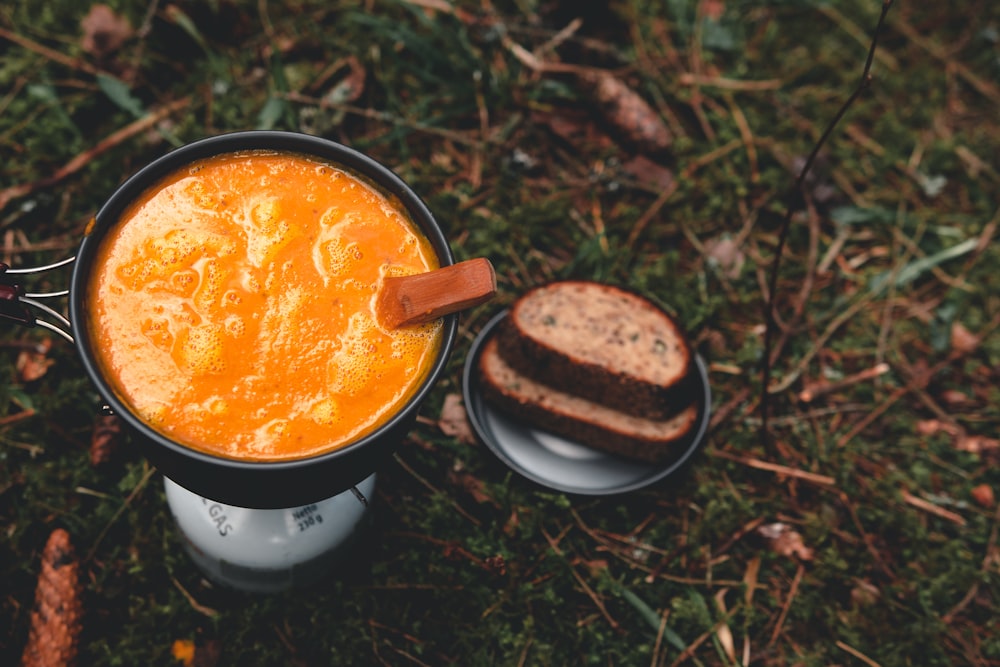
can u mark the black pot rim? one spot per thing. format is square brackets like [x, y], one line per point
[339, 155]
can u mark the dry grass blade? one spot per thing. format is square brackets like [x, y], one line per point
[692, 648]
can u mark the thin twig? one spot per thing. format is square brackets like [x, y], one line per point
[911, 386]
[7, 420]
[843, 318]
[651, 212]
[197, 606]
[469, 139]
[856, 33]
[435, 5]
[688, 652]
[865, 536]
[747, 136]
[659, 638]
[668, 192]
[696, 101]
[615, 625]
[811, 260]
[867, 420]
[984, 87]
[523, 660]
[797, 190]
[136, 490]
[792, 592]
[856, 653]
[820, 389]
[433, 489]
[931, 508]
[989, 559]
[776, 468]
[85, 158]
[448, 547]
[726, 410]
[50, 54]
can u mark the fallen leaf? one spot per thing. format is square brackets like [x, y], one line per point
[573, 126]
[920, 373]
[567, 128]
[208, 653]
[33, 363]
[953, 397]
[104, 31]
[595, 566]
[963, 340]
[725, 253]
[928, 427]
[350, 87]
[785, 541]
[649, 173]
[818, 183]
[864, 593]
[976, 444]
[454, 421]
[983, 495]
[714, 9]
[183, 651]
[190, 654]
[105, 439]
[931, 184]
[496, 564]
[715, 341]
[513, 521]
[471, 485]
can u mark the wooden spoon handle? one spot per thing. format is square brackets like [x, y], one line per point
[422, 297]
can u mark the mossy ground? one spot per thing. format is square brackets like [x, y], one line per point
[891, 259]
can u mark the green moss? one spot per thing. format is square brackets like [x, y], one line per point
[520, 166]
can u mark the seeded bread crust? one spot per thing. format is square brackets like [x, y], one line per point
[603, 343]
[651, 441]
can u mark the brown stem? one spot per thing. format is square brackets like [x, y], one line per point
[797, 189]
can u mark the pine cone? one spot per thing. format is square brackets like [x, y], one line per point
[628, 113]
[105, 440]
[56, 618]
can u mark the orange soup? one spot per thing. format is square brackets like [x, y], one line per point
[233, 305]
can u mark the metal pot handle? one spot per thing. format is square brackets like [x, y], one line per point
[16, 304]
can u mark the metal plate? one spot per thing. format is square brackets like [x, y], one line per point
[557, 463]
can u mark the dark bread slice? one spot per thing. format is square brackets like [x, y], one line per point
[603, 343]
[655, 441]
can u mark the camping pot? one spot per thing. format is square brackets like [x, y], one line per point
[249, 484]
